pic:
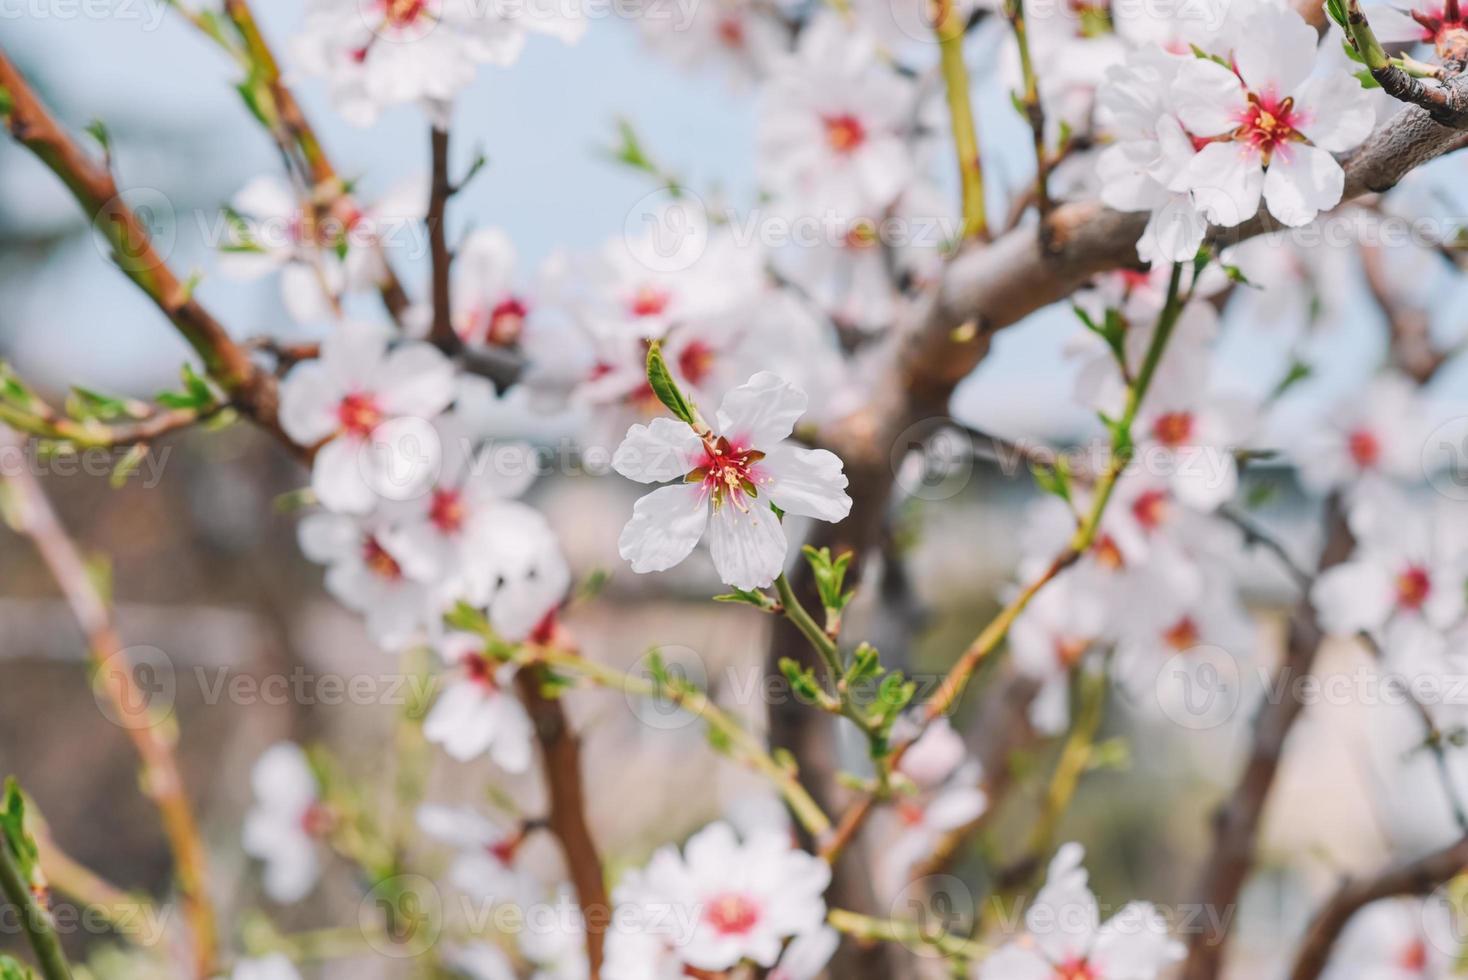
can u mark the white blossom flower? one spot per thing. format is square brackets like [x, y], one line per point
[483, 865]
[1051, 638]
[1189, 431]
[556, 945]
[746, 898]
[1410, 565]
[397, 598]
[833, 124]
[274, 967]
[1273, 124]
[342, 397]
[729, 479]
[478, 711]
[381, 53]
[490, 307]
[1373, 434]
[1395, 939]
[284, 827]
[1151, 151]
[1065, 936]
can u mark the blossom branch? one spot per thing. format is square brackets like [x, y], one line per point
[994, 633]
[161, 780]
[1236, 823]
[442, 332]
[1014, 10]
[1419, 877]
[1446, 102]
[35, 918]
[560, 749]
[951, 28]
[866, 928]
[249, 388]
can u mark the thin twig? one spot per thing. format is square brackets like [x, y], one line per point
[442, 332]
[160, 778]
[951, 28]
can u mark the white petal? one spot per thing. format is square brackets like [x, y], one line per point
[664, 449]
[807, 482]
[1014, 962]
[1335, 111]
[1210, 99]
[748, 546]
[416, 380]
[761, 412]
[1301, 182]
[1279, 51]
[1134, 943]
[336, 478]
[309, 398]
[1355, 596]
[665, 526]
[1226, 180]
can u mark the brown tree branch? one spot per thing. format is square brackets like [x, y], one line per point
[561, 762]
[160, 778]
[250, 389]
[1419, 877]
[442, 332]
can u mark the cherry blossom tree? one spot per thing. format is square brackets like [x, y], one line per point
[1158, 183]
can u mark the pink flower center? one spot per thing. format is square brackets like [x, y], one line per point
[863, 234]
[648, 301]
[379, 562]
[446, 511]
[1268, 123]
[726, 472]
[1150, 509]
[358, 414]
[318, 820]
[403, 13]
[1108, 555]
[1173, 429]
[1413, 959]
[696, 361]
[731, 32]
[1069, 650]
[1182, 635]
[844, 132]
[910, 813]
[732, 914]
[480, 671]
[1437, 21]
[502, 324]
[1074, 969]
[1413, 587]
[1364, 447]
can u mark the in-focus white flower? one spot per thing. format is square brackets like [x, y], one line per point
[345, 395]
[276, 967]
[478, 711]
[1065, 936]
[1151, 150]
[833, 124]
[284, 827]
[399, 600]
[728, 480]
[1273, 124]
[723, 901]
[483, 866]
[381, 53]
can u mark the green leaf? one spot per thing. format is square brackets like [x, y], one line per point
[865, 665]
[802, 680]
[13, 834]
[1236, 275]
[666, 389]
[749, 598]
[1298, 371]
[97, 129]
[86, 405]
[719, 740]
[467, 619]
[1336, 9]
[1054, 479]
[128, 465]
[11, 970]
[1367, 80]
[197, 392]
[830, 576]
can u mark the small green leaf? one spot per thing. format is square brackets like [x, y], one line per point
[128, 465]
[830, 576]
[466, 618]
[747, 597]
[1367, 80]
[802, 680]
[97, 129]
[11, 970]
[666, 389]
